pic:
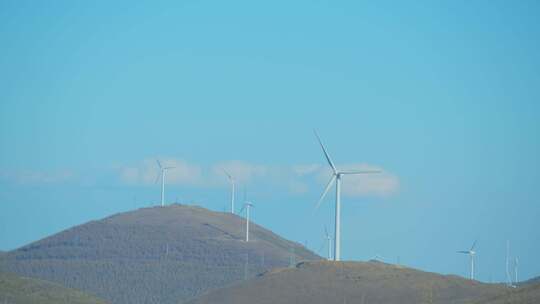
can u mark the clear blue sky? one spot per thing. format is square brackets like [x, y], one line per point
[443, 96]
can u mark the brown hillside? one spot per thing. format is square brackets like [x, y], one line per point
[326, 282]
[154, 255]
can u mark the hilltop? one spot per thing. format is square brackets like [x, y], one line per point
[21, 290]
[155, 255]
[529, 294]
[532, 281]
[324, 282]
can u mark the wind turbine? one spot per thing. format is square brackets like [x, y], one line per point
[162, 175]
[516, 264]
[327, 243]
[247, 206]
[508, 276]
[328, 239]
[471, 253]
[232, 181]
[377, 257]
[336, 176]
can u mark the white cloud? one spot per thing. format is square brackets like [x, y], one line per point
[302, 170]
[148, 171]
[377, 184]
[242, 172]
[295, 179]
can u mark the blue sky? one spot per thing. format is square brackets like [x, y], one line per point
[442, 96]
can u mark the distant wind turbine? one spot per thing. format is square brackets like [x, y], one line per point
[162, 175]
[377, 257]
[508, 276]
[516, 264]
[329, 240]
[327, 243]
[336, 176]
[471, 253]
[247, 206]
[232, 181]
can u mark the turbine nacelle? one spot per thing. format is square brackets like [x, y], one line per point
[246, 205]
[471, 253]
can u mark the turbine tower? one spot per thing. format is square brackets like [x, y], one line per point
[471, 253]
[162, 175]
[232, 181]
[247, 206]
[328, 239]
[508, 276]
[516, 264]
[327, 242]
[336, 176]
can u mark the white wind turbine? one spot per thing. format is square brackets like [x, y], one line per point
[336, 176]
[471, 253]
[232, 181]
[247, 206]
[162, 175]
[377, 257]
[508, 275]
[327, 243]
[516, 264]
[328, 239]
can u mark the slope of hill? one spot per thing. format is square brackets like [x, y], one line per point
[21, 290]
[154, 255]
[350, 282]
[532, 281]
[530, 294]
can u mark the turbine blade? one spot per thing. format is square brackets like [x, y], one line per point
[158, 163]
[227, 173]
[473, 245]
[360, 172]
[325, 232]
[167, 168]
[328, 186]
[330, 162]
[465, 252]
[157, 177]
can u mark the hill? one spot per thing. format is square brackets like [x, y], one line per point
[351, 282]
[154, 255]
[529, 294]
[20, 290]
[532, 281]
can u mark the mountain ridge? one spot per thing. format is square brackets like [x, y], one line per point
[328, 282]
[155, 254]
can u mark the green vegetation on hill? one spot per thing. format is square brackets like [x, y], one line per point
[325, 282]
[155, 255]
[21, 290]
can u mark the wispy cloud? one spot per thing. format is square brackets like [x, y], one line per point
[295, 179]
[147, 172]
[36, 177]
[243, 172]
[379, 184]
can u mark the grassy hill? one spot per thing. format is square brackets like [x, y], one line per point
[21, 290]
[324, 282]
[529, 294]
[154, 255]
